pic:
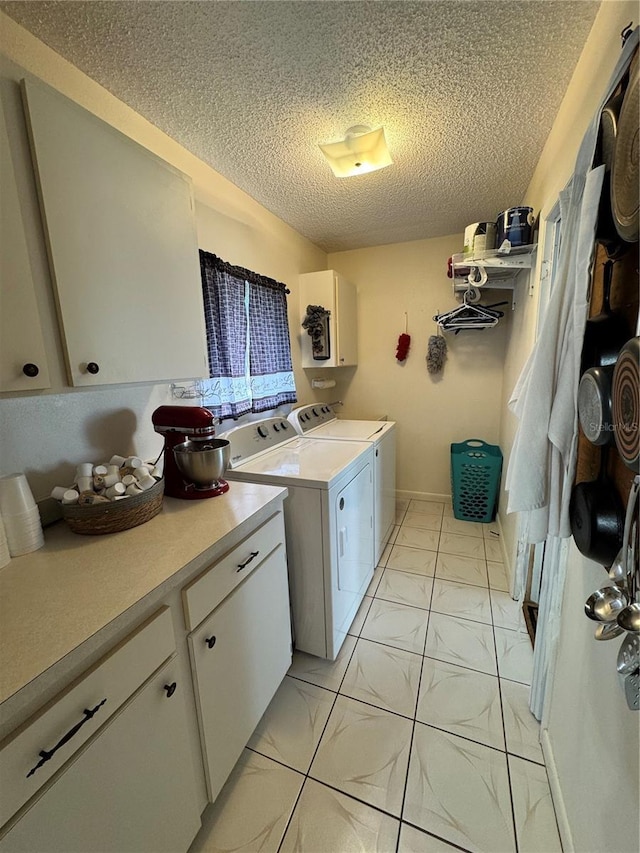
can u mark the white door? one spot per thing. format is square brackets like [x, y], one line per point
[131, 789]
[347, 322]
[240, 654]
[353, 517]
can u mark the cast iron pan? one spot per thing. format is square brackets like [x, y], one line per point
[606, 232]
[594, 405]
[625, 170]
[596, 516]
[606, 333]
[625, 399]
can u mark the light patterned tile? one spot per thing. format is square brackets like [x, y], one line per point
[364, 752]
[463, 546]
[412, 560]
[361, 615]
[515, 655]
[462, 528]
[325, 820]
[507, 613]
[459, 790]
[396, 625]
[448, 511]
[491, 530]
[434, 507]
[324, 673]
[394, 534]
[405, 588]
[493, 550]
[461, 642]
[461, 600]
[413, 840]
[470, 570]
[498, 578]
[251, 812]
[462, 702]
[290, 728]
[536, 826]
[400, 514]
[385, 554]
[402, 504]
[522, 730]
[375, 580]
[416, 537]
[385, 677]
[427, 521]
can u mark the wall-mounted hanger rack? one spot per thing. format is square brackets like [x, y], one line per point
[469, 315]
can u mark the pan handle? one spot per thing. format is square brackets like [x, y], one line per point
[631, 505]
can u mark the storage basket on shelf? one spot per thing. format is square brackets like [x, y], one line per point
[475, 479]
[115, 516]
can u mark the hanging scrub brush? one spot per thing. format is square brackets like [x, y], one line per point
[404, 342]
[436, 353]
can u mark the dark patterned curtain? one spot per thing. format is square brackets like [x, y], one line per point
[247, 340]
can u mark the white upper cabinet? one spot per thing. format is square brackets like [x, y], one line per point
[331, 291]
[122, 247]
[23, 363]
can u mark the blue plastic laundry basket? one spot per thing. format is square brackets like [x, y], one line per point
[475, 479]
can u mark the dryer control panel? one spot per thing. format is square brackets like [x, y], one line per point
[308, 417]
[249, 440]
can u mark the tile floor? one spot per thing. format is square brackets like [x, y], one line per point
[418, 738]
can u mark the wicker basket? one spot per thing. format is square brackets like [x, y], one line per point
[115, 516]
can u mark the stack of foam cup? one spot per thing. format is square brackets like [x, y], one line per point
[20, 515]
[5, 556]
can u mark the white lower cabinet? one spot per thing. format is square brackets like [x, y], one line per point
[129, 789]
[240, 654]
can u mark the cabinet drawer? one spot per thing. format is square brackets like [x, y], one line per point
[102, 691]
[206, 592]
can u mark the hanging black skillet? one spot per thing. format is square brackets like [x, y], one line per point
[625, 171]
[606, 333]
[594, 405]
[596, 516]
[606, 232]
[625, 400]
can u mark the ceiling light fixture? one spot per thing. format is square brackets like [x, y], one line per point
[362, 150]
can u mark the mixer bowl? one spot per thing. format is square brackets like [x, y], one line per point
[203, 462]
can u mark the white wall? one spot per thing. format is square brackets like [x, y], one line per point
[431, 411]
[592, 740]
[47, 434]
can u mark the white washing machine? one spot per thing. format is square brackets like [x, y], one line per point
[319, 420]
[328, 517]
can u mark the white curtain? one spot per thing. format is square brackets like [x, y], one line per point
[542, 463]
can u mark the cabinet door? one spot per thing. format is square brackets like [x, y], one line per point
[130, 789]
[347, 322]
[240, 655]
[23, 364]
[122, 246]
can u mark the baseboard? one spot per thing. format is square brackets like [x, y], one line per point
[402, 495]
[564, 828]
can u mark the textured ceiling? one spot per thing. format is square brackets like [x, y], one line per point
[467, 93]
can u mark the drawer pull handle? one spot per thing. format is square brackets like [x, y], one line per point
[47, 754]
[171, 689]
[244, 565]
[210, 641]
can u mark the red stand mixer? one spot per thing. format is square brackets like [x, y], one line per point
[194, 460]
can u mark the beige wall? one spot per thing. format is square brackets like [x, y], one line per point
[46, 435]
[592, 739]
[431, 412]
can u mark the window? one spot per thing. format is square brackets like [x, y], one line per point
[247, 340]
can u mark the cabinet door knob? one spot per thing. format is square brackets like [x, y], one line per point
[171, 689]
[92, 367]
[30, 370]
[210, 641]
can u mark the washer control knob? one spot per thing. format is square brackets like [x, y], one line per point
[262, 432]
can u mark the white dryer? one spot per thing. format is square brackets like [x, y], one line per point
[319, 420]
[328, 517]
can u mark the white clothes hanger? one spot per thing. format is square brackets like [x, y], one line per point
[468, 316]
